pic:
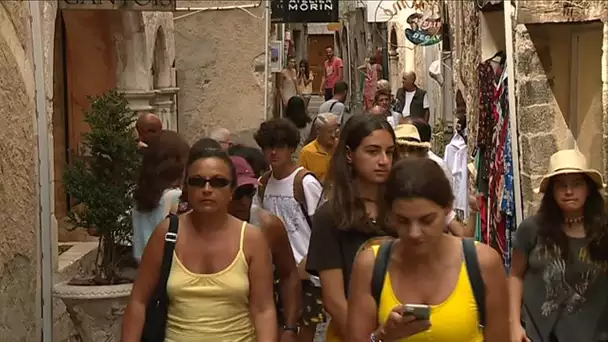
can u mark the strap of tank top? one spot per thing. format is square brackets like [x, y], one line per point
[242, 241]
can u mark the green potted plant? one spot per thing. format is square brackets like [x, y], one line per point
[100, 185]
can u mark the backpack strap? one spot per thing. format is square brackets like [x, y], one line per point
[262, 187]
[298, 192]
[380, 269]
[475, 278]
[170, 239]
[332, 105]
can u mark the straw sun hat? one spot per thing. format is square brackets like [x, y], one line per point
[407, 135]
[569, 161]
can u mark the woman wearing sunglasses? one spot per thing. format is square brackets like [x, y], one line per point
[220, 282]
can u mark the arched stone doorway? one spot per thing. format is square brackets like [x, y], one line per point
[85, 64]
[93, 51]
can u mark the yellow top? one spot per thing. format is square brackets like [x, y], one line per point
[210, 307]
[454, 320]
[315, 159]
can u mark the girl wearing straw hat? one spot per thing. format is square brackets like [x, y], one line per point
[560, 258]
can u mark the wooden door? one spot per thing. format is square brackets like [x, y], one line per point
[316, 56]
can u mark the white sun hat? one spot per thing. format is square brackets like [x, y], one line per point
[568, 162]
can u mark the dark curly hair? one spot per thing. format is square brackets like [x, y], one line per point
[278, 132]
[595, 221]
[162, 167]
[296, 112]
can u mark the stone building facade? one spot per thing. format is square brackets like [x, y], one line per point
[221, 50]
[561, 79]
[84, 53]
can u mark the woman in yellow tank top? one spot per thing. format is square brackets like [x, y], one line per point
[426, 267]
[220, 282]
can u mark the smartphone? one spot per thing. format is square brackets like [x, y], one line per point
[420, 311]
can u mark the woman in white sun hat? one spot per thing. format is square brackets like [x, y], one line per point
[559, 264]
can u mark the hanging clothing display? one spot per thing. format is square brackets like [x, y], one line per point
[456, 157]
[495, 177]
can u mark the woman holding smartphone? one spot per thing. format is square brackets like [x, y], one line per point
[427, 268]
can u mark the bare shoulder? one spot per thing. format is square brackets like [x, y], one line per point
[488, 257]
[160, 231]
[253, 238]
[268, 220]
[366, 259]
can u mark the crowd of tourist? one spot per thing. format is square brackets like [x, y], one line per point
[353, 225]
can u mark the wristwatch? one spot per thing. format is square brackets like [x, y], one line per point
[293, 329]
[374, 338]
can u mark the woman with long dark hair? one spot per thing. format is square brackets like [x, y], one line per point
[220, 279]
[358, 169]
[426, 285]
[305, 78]
[560, 258]
[158, 185]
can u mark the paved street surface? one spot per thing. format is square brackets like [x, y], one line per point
[313, 106]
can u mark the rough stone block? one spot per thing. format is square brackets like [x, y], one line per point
[533, 61]
[535, 119]
[535, 91]
[535, 152]
[528, 184]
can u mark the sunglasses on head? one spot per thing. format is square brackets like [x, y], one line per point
[244, 191]
[214, 182]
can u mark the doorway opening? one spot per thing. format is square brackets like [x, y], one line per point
[84, 65]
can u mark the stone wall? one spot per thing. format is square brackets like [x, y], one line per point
[19, 217]
[220, 70]
[466, 53]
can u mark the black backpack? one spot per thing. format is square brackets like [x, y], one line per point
[470, 259]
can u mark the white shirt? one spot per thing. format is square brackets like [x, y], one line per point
[409, 95]
[437, 159]
[432, 156]
[394, 119]
[279, 200]
[456, 157]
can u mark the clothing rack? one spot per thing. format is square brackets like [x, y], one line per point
[497, 222]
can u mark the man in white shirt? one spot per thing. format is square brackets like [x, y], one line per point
[411, 100]
[292, 193]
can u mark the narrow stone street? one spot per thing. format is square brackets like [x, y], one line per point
[491, 90]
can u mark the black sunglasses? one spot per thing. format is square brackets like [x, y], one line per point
[244, 191]
[214, 182]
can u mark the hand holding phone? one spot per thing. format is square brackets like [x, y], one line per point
[402, 323]
[420, 311]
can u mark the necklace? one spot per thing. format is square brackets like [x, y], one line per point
[574, 220]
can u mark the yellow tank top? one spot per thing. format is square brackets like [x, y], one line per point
[454, 320]
[210, 307]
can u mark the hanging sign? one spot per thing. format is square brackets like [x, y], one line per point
[304, 11]
[425, 28]
[381, 11]
[132, 5]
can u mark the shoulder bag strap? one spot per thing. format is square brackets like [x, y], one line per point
[380, 269]
[170, 239]
[298, 192]
[332, 105]
[475, 278]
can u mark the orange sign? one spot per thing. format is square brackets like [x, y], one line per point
[334, 26]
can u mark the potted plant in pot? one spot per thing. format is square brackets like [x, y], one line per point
[100, 185]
